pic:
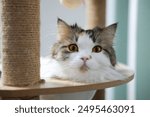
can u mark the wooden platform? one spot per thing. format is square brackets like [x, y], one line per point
[56, 86]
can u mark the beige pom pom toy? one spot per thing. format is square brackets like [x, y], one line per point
[71, 3]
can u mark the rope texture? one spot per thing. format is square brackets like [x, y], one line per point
[95, 12]
[20, 42]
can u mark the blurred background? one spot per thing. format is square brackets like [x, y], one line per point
[132, 43]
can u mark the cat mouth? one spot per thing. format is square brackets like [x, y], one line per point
[84, 68]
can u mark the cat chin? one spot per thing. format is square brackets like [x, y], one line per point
[80, 68]
[87, 76]
[92, 65]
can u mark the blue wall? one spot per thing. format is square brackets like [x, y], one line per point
[121, 41]
[143, 50]
[143, 47]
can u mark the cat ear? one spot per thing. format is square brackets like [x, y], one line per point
[107, 35]
[63, 29]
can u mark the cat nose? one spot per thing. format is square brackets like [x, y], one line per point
[85, 58]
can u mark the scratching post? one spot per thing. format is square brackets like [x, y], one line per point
[95, 11]
[20, 42]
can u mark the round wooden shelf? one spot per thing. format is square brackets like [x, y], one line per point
[55, 86]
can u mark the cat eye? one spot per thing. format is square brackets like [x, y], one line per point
[97, 49]
[73, 48]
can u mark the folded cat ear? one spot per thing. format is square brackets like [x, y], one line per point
[63, 29]
[106, 35]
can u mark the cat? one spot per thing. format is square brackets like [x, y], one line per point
[82, 55]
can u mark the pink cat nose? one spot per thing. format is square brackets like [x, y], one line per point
[85, 58]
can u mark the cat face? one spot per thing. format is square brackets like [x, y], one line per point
[84, 50]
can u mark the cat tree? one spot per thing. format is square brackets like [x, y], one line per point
[21, 47]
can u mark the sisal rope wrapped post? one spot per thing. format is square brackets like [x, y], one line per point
[20, 42]
[95, 11]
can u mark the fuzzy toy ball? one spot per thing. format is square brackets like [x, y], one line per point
[71, 3]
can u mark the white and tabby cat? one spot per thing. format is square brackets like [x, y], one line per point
[82, 55]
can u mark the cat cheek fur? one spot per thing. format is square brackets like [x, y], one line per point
[74, 61]
[93, 64]
[102, 59]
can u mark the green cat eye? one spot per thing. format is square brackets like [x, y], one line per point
[97, 49]
[73, 48]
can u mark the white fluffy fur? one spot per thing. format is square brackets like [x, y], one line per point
[100, 68]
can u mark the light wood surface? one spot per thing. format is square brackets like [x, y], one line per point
[95, 16]
[55, 86]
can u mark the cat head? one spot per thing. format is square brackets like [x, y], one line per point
[84, 49]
